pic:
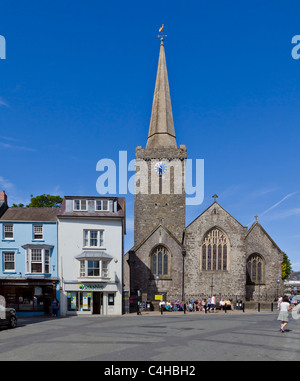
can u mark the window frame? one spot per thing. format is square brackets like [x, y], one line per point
[5, 232]
[99, 238]
[249, 277]
[40, 233]
[214, 251]
[4, 261]
[45, 260]
[101, 203]
[80, 209]
[160, 258]
[103, 266]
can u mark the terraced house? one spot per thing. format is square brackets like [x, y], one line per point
[29, 258]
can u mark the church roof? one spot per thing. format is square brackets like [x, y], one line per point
[210, 206]
[136, 247]
[161, 129]
[256, 223]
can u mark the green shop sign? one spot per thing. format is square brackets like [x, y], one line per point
[90, 287]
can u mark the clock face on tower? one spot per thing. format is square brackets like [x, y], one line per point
[160, 168]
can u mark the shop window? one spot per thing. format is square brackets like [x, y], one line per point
[79, 301]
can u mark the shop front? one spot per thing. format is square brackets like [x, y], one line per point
[91, 299]
[29, 297]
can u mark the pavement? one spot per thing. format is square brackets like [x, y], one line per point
[153, 337]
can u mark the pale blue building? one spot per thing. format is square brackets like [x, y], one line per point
[28, 258]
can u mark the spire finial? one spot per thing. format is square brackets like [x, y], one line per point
[256, 217]
[161, 35]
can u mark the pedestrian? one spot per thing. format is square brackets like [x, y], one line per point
[213, 303]
[204, 304]
[284, 313]
[279, 302]
[208, 305]
[55, 307]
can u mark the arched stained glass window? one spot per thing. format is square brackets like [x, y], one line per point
[160, 261]
[214, 251]
[255, 269]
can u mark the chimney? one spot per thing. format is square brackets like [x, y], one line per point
[3, 198]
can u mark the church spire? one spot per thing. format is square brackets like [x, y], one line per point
[161, 129]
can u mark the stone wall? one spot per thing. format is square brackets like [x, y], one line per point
[207, 282]
[141, 277]
[258, 241]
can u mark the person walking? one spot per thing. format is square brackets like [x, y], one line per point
[284, 313]
[213, 303]
[55, 307]
[204, 305]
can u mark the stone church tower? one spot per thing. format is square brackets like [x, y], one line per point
[162, 199]
[159, 212]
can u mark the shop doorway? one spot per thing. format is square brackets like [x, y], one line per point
[97, 303]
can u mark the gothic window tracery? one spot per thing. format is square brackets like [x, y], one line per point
[215, 251]
[255, 269]
[160, 261]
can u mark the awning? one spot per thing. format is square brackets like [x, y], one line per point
[93, 254]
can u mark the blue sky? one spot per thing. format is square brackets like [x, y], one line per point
[77, 86]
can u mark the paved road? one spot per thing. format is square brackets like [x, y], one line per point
[173, 336]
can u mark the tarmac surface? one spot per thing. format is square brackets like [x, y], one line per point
[152, 337]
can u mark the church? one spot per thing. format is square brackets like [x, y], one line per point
[215, 254]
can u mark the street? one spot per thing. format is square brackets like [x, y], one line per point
[173, 336]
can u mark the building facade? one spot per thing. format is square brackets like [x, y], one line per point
[215, 254]
[91, 247]
[29, 258]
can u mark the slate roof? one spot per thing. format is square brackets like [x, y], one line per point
[30, 214]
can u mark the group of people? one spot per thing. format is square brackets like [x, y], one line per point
[207, 305]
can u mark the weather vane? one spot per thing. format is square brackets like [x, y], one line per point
[161, 35]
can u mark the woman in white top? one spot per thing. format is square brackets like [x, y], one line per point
[284, 312]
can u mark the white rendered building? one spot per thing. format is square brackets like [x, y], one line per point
[91, 245]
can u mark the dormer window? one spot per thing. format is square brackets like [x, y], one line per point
[102, 205]
[80, 205]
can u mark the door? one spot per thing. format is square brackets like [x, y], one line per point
[97, 303]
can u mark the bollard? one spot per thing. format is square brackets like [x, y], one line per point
[243, 307]
[161, 309]
[258, 307]
[271, 307]
[184, 308]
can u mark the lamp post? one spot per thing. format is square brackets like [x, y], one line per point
[183, 257]
[156, 281]
[278, 283]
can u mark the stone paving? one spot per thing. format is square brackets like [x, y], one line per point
[173, 336]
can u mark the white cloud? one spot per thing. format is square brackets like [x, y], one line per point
[278, 203]
[3, 103]
[16, 147]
